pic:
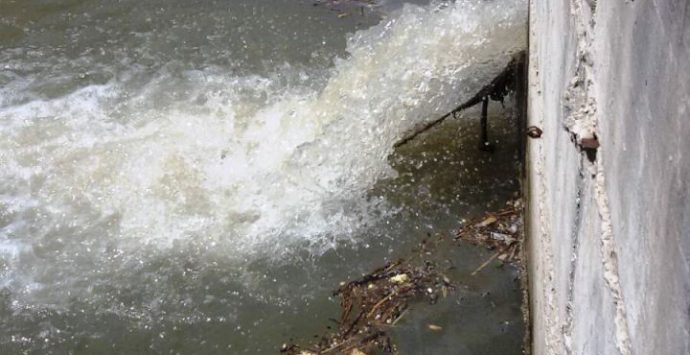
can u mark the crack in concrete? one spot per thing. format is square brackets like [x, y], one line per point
[582, 121]
[609, 257]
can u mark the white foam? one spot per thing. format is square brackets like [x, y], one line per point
[235, 164]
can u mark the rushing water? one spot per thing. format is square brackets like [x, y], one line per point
[191, 176]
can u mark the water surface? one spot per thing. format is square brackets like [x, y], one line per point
[196, 176]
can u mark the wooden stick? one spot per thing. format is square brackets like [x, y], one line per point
[399, 317]
[379, 303]
[482, 266]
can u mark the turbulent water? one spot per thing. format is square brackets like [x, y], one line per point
[136, 139]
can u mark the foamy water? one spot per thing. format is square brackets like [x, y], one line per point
[236, 165]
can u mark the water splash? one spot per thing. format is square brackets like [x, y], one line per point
[232, 165]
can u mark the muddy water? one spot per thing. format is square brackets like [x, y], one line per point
[483, 316]
[196, 177]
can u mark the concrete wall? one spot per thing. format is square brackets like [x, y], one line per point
[609, 239]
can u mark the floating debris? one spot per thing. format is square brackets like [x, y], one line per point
[488, 221]
[500, 231]
[373, 304]
[434, 327]
[399, 279]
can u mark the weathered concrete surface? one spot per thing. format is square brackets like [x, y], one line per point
[609, 239]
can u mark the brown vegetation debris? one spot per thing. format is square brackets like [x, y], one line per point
[373, 304]
[500, 231]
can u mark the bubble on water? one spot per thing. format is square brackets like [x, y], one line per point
[201, 161]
